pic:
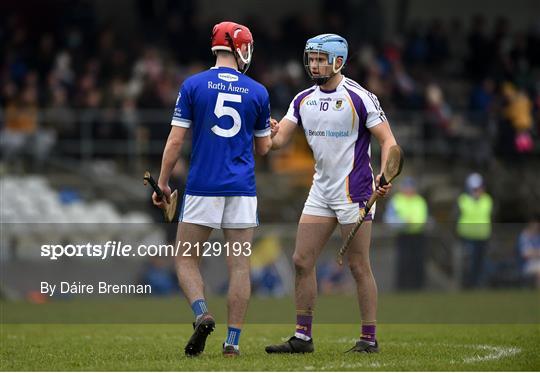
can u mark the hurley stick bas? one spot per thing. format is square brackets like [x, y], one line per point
[392, 169]
[170, 208]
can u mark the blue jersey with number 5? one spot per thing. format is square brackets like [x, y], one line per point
[225, 110]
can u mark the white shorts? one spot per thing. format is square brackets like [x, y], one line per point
[345, 212]
[220, 212]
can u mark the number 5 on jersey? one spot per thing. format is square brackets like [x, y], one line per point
[221, 109]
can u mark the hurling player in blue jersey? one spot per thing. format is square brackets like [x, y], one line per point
[228, 113]
[338, 117]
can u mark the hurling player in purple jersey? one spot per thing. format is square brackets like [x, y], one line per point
[338, 117]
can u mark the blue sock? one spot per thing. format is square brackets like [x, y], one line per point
[233, 336]
[199, 307]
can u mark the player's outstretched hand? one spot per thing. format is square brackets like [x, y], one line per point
[274, 127]
[382, 191]
[159, 202]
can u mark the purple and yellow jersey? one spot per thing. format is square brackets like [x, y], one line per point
[336, 125]
[224, 109]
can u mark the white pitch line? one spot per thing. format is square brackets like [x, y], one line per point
[493, 352]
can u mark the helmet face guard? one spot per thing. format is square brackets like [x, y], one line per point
[316, 55]
[330, 45]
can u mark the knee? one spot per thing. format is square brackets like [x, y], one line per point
[183, 262]
[360, 269]
[302, 264]
[239, 267]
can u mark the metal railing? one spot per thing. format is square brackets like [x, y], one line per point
[143, 132]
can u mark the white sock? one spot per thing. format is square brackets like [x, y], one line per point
[235, 346]
[302, 336]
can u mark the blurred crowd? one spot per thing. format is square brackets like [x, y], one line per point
[66, 76]
[73, 76]
[466, 80]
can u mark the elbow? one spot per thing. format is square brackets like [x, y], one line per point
[177, 143]
[175, 146]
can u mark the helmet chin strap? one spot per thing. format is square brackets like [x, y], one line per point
[237, 53]
[246, 60]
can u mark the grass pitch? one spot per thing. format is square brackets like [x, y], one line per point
[422, 345]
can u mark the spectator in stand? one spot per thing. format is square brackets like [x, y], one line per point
[482, 98]
[439, 113]
[529, 250]
[482, 104]
[441, 126]
[517, 121]
[22, 133]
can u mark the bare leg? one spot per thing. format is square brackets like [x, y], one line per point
[358, 256]
[313, 234]
[187, 267]
[190, 279]
[239, 276]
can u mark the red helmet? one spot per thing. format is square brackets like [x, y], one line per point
[231, 36]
